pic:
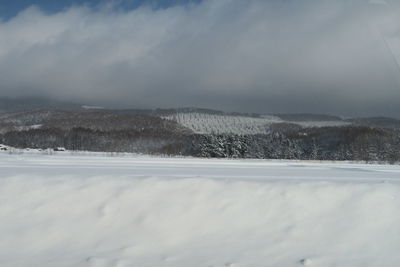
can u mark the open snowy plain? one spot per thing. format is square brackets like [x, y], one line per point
[95, 210]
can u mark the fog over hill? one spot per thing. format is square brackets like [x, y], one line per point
[261, 56]
[31, 103]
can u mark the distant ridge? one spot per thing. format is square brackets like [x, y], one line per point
[31, 103]
[9, 105]
[308, 117]
[378, 122]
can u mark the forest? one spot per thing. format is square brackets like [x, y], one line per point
[282, 142]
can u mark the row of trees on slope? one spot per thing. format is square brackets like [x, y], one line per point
[143, 141]
[327, 143]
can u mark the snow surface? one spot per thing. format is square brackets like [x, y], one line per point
[310, 124]
[92, 107]
[97, 210]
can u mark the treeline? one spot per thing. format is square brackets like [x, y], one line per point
[326, 143]
[138, 141]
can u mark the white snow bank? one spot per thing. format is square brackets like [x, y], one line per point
[95, 211]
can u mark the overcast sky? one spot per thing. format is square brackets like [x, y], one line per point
[328, 56]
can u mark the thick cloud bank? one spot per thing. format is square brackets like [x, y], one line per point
[266, 56]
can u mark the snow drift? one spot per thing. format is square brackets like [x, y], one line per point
[64, 210]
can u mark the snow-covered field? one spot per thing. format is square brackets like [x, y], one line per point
[94, 210]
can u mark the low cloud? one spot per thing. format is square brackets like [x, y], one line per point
[324, 56]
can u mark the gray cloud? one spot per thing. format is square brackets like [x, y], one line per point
[264, 56]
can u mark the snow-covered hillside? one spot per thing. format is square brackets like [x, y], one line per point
[217, 124]
[207, 123]
[309, 124]
[64, 210]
